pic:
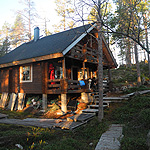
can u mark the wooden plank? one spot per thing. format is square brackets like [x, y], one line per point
[21, 99]
[69, 125]
[54, 80]
[56, 91]
[97, 106]
[81, 117]
[88, 110]
[53, 85]
[73, 86]
[12, 101]
[113, 98]
[3, 100]
[46, 57]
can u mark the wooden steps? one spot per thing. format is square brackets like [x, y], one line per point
[93, 108]
[88, 110]
[96, 106]
[81, 117]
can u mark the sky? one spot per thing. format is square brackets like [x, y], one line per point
[45, 8]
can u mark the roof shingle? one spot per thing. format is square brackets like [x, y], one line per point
[51, 44]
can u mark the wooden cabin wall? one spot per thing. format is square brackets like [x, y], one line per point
[4, 80]
[34, 87]
[14, 79]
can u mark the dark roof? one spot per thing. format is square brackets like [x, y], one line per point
[51, 44]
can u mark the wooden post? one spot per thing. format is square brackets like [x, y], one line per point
[64, 102]
[64, 68]
[46, 77]
[84, 70]
[84, 53]
[44, 101]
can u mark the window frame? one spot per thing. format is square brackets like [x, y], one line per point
[21, 74]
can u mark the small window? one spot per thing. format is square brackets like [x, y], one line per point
[26, 73]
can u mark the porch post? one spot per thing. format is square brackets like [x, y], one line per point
[83, 70]
[64, 68]
[63, 94]
[44, 101]
[64, 102]
[84, 53]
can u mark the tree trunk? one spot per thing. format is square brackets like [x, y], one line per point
[128, 54]
[100, 63]
[146, 37]
[100, 73]
[137, 65]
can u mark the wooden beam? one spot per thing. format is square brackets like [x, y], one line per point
[64, 68]
[30, 60]
[44, 101]
[46, 77]
[64, 102]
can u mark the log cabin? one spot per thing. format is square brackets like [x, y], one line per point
[54, 64]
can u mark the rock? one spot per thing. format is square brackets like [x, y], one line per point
[91, 144]
[19, 146]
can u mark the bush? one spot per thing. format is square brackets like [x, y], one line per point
[144, 118]
[132, 143]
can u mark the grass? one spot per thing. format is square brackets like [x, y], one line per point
[134, 113]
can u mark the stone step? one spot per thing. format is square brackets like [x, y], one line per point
[110, 140]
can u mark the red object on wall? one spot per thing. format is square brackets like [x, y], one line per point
[51, 72]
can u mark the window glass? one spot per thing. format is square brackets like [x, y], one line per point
[25, 73]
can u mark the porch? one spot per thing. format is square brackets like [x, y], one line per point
[58, 86]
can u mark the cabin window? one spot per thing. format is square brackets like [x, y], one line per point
[58, 72]
[26, 73]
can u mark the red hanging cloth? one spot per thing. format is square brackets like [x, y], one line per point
[52, 73]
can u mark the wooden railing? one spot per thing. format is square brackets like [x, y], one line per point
[54, 86]
[57, 86]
